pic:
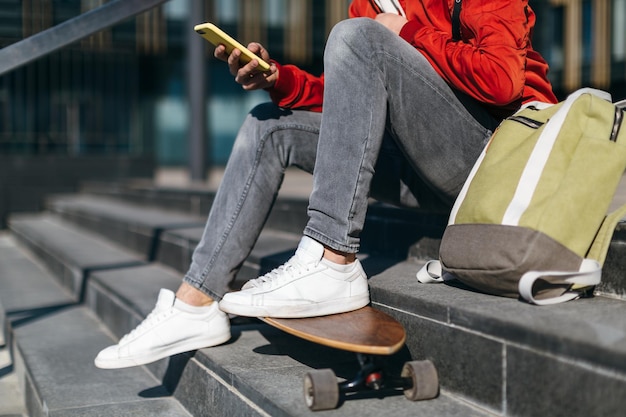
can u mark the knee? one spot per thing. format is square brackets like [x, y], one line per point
[261, 120]
[258, 127]
[350, 36]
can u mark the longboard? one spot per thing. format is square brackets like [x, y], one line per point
[365, 330]
[373, 336]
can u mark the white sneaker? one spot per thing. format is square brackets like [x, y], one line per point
[306, 286]
[172, 327]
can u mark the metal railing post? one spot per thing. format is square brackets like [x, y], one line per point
[196, 91]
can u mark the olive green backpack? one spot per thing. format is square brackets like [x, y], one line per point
[531, 219]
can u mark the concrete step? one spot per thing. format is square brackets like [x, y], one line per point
[193, 200]
[494, 355]
[132, 226]
[389, 231]
[170, 237]
[53, 340]
[509, 356]
[289, 212]
[498, 355]
[57, 354]
[122, 296]
[273, 248]
[613, 282]
[66, 250]
[155, 234]
[258, 372]
[11, 397]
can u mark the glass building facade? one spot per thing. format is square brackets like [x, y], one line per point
[123, 90]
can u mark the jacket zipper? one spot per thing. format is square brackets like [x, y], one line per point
[527, 121]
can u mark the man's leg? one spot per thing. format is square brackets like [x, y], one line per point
[393, 91]
[269, 141]
[375, 82]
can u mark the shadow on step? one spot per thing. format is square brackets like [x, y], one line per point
[171, 378]
[316, 356]
[21, 317]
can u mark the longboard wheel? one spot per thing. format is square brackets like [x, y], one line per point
[321, 390]
[425, 380]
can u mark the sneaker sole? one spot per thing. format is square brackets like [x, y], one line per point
[184, 346]
[296, 311]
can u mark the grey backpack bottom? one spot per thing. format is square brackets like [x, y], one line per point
[492, 258]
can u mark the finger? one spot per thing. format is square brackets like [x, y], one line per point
[233, 61]
[251, 83]
[247, 73]
[254, 47]
[259, 50]
[251, 67]
[220, 53]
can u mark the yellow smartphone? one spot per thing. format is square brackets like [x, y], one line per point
[216, 36]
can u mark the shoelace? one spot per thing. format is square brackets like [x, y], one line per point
[154, 316]
[293, 266]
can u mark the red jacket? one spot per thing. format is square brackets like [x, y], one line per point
[494, 62]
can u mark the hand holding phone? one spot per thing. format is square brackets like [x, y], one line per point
[216, 36]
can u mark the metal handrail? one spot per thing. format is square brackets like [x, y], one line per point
[70, 31]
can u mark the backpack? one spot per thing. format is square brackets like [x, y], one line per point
[531, 219]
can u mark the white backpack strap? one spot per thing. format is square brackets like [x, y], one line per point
[430, 273]
[588, 275]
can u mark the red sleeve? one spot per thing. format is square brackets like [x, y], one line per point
[489, 63]
[296, 88]
[361, 8]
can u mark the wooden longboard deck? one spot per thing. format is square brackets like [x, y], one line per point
[366, 330]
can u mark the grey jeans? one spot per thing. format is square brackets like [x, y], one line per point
[391, 129]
